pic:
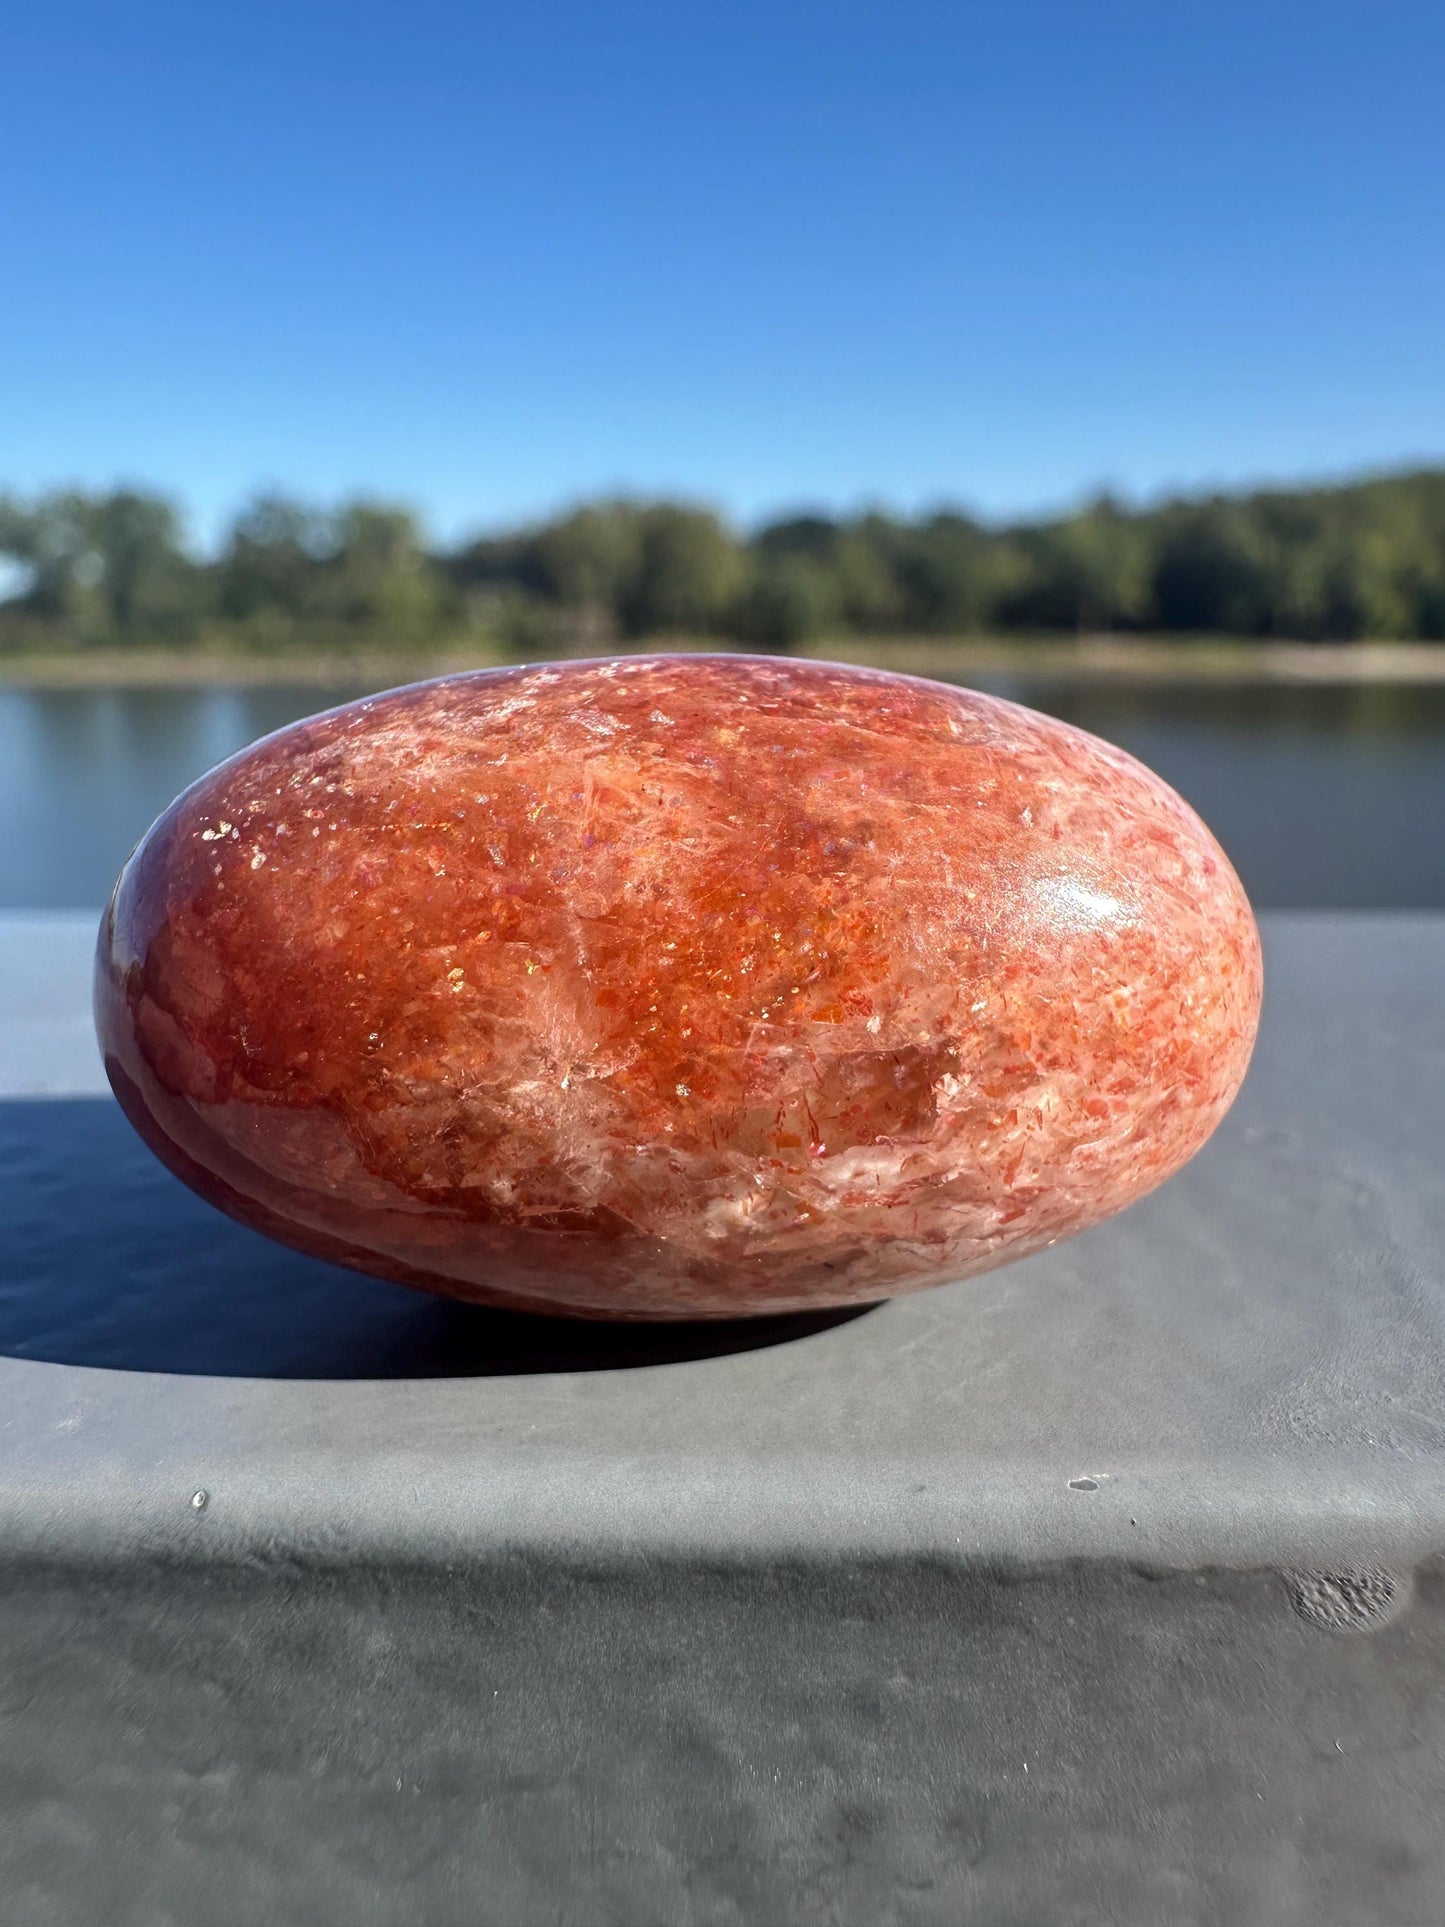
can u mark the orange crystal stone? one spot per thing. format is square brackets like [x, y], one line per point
[677, 986]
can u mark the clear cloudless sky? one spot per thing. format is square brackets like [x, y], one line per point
[490, 258]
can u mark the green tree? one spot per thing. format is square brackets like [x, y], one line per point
[687, 573]
[103, 569]
[377, 581]
[589, 559]
[870, 594]
[1207, 571]
[110, 568]
[790, 599]
[269, 565]
[1091, 571]
[951, 573]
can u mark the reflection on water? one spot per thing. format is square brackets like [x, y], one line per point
[1322, 796]
[83, 773]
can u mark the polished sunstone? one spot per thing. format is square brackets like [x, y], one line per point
[687, 986]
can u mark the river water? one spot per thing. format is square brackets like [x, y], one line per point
[1322, 796]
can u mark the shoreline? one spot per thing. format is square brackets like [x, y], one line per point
[1087, 659]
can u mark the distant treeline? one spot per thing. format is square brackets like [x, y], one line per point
[112, 570]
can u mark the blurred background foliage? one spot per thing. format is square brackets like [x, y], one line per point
[112, 570]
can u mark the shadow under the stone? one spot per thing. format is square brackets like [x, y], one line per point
[107, 1260]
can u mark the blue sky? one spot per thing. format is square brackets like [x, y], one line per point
[491, 258]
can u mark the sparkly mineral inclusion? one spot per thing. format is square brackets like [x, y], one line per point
[677, 987]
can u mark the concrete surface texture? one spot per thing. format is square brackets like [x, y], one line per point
[320, 1601]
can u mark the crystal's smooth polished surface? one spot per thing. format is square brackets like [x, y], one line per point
[686, 986]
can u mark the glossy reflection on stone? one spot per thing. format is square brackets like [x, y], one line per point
[689, 986]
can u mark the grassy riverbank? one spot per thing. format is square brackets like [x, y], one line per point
[1099, 658]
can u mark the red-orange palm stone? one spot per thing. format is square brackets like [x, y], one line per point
[677, 987]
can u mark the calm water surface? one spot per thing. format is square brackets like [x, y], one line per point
[1325, 797]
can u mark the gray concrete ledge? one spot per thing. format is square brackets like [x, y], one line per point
[1250, 1366]
[326, 1604]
